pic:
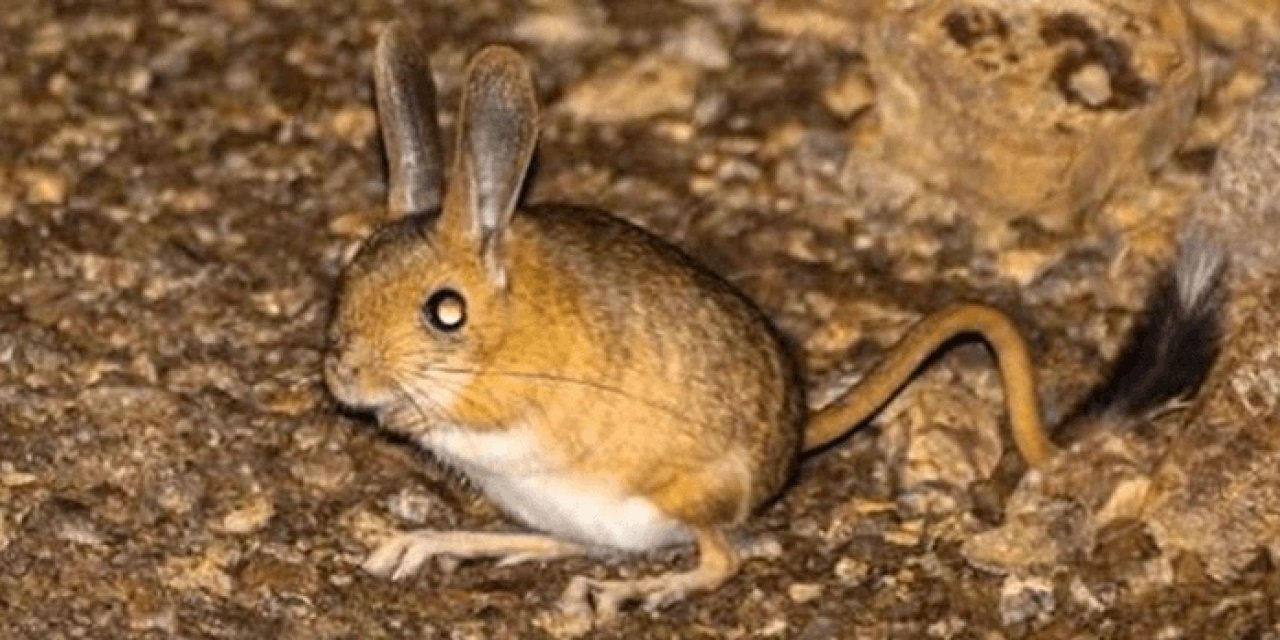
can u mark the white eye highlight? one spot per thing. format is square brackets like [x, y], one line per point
[445, 310]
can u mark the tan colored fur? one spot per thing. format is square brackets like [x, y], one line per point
[603, 367]
[592, 360]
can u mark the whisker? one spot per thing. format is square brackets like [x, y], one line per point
[583, 448]
[425, 417]
[459, 400]
[413, 391]
[447, 376]
[562, 379]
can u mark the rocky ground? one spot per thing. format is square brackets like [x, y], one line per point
[181, 183]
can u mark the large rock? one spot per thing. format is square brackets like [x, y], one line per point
[1211, 485]
[1251, 27]
[1217, 494]
[1034, 108]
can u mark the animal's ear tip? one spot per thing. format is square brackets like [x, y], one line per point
[391, 37]
[499, 55]
[503, 61]
[395, 42]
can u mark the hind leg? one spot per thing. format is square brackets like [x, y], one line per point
[709, 502]
[718, 560]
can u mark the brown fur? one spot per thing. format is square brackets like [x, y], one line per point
[594, 359]
[636, 370]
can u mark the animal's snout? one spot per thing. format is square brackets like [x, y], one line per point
[356, 375]
[339, 371]
[344, 374]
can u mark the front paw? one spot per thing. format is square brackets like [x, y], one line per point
[402, 555]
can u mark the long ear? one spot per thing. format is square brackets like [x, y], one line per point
[497, 132]
[406, 97]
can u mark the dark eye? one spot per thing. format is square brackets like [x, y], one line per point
[445, 310]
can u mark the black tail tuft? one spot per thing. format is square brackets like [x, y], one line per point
[1173, 346]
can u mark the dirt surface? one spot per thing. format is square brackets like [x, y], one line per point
[181, 183]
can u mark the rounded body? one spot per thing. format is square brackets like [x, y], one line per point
[689, 398]
[588, 377]
[613, 392]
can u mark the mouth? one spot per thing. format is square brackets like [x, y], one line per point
[351, 389]
[353, 398]
[391, 413]
[402, 419]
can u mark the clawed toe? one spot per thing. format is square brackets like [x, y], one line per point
[591, 599]
[517, 558]
[663, 598]
[576, 599]
[758, 548]
[601, 600]
[399, 558]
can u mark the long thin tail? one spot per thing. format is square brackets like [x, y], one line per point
[884, 381]
[1172, 347]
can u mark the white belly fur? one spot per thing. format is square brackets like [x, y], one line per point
[516, 473]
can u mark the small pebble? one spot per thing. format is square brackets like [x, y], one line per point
[634, 90]
[774, 627]
[562, 28]
[1024, 266]
[849, 95]
[410, 506]
[180, 495]
[1092, 84]
[354, 124]
[43, 186]
[1023, 599]
[1084, 597]
[203, 573]
[354, 224]
[563, 626]
[700, 43]
[851, 572]
[138, 81]
[324, 470]
[906, 535]
[79, 530]
[802, 592]
[11, 478]
[249, 518]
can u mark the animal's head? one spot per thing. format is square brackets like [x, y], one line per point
[424, 301]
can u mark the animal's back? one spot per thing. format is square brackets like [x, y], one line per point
[672, 330]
